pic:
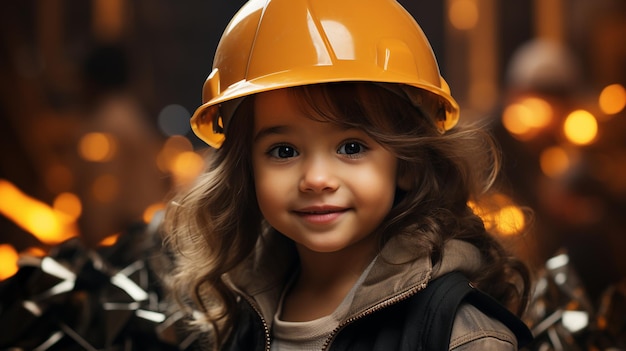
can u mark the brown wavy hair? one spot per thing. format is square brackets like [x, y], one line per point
[213, 226]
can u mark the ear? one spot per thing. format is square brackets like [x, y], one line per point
[405, 179]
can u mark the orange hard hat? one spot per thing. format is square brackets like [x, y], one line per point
[274, 44]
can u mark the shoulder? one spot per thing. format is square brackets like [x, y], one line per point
[474, 330]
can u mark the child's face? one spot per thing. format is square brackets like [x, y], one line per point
[325, 187]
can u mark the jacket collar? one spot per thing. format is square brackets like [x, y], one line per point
[399, 269]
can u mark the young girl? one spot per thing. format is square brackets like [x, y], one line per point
[338, 191]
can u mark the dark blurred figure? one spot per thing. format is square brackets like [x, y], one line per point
[577, 240]
[574, 209]
[117, 145]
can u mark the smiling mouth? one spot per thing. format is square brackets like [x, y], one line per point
[320, 210]
[321, 215]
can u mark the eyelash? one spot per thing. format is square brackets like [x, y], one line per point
[362, 148]
[275, 150]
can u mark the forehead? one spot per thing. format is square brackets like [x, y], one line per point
[283, 113]
[273, 108]
[346, 105]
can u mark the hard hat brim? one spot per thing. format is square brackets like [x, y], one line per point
[206, 116]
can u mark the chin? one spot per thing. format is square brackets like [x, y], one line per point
[325, 248]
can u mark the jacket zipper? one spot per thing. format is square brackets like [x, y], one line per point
[266, 328]
[398, 298]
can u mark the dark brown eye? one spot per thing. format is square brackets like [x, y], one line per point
[283, 151]
[351, 148]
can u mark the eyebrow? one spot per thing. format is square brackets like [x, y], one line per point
[272, 130]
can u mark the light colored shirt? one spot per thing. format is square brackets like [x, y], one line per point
[310, 335]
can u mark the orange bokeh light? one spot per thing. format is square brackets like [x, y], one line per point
[8, 261]
[500, 215]
[526, 117]
[580, 127]
[612, 99]
[69, 204]
[97, 147]
[554, 161]
[47, 224]
[463, 14]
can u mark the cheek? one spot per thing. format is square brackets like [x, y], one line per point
[269, 188]
[377, 186]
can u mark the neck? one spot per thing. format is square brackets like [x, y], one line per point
[325, 279]
[327, 270]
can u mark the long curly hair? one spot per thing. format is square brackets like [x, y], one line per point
[213, 226]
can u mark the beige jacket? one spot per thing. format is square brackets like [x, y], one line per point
[396, 274]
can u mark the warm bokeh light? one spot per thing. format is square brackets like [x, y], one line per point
[612, 99]
[48, 225]
[187, 166]
[541, 112]
[109, 240]
[500, 215]
[172, 147]
[35, 251]
[69, 204]
[525, 117]
[97, 147]
[463, 14]
[149, 212]
[178, 158]
[513, 119]
[8, 261]
[580, 127]
[509, 220]
[554, 161]
[105, 188]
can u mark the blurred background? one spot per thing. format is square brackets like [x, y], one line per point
[95, 100]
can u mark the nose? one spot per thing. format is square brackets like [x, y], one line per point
[318, 175]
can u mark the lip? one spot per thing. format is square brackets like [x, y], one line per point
[320, 214]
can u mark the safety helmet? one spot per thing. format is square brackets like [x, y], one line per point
[274, 44]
